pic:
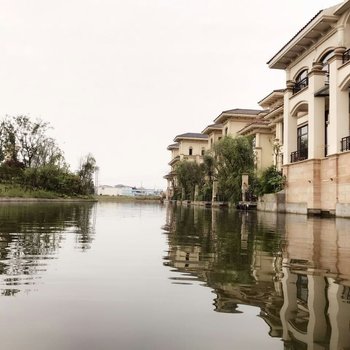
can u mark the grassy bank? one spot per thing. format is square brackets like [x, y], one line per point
[16, 191]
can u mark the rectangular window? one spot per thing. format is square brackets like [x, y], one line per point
[282, 133]
[302, 142]
[302, 288]
[326, 122]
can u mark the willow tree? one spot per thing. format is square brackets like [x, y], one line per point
[233, 157]
[189, 175]
[25, 141]
[208, 166]
[86, 172]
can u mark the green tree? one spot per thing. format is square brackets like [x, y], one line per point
[8, 149]
[86, 172]
[233, 157]
[48, 153]
[208, 166]
[32, 160]
[26, 141]
[270, 181]
[189, 175]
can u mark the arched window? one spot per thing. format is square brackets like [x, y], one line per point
[324, 60]
[301, 81]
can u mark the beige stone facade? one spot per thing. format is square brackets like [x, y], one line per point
[234, 120]
[304, 128]
[316, 136]
[188, 146]
[214, 132]
[263, 139]
[273, 105]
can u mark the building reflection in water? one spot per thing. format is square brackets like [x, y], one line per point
[295, 269]
[32, 234]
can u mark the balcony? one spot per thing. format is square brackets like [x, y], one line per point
[298, 156]
[174, 160]
[345, 144]
[346, 56]
[300, 85]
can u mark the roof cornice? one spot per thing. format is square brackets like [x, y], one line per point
[274, 113]
[255, 128]
[311, 33]
[342, 8]
[212, 128]
[177, 139]
[173, 146]
[272, 97]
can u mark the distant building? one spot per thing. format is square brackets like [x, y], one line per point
[128, 191]
[106, 190]
[234, 120]
[267, 132]
[189, 146]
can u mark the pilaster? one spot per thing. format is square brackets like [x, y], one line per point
[290, 125]
[316, 118]
[338, 104]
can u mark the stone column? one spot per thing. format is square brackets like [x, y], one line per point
[196, 191]
[245, 185]
[316, 113]
[167, 193]
[215, 191]
[290, 125]
[290, 305]
[338, 105]
[339, 316]
[317, 327]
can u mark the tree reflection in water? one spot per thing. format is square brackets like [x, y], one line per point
[31, 235]
[294, 269]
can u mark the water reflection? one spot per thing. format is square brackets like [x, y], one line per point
[294, 269]
[32, 234]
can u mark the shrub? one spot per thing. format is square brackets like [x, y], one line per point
[270, 181]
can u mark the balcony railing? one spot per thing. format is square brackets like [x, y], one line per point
[345, 144]
[346, 56]
[297, 156]
[303, 83]
[174, 160]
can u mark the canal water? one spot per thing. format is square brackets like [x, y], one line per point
[148, 276]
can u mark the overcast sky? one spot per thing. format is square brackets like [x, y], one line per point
[121, 78]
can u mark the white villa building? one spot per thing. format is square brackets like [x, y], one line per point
[316, 133]
[188, 146]
[304, 128]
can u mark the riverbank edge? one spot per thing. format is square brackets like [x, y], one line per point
[271, 203]
[206, 204]
[127, 199]
[67, 200]
[38, 200]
